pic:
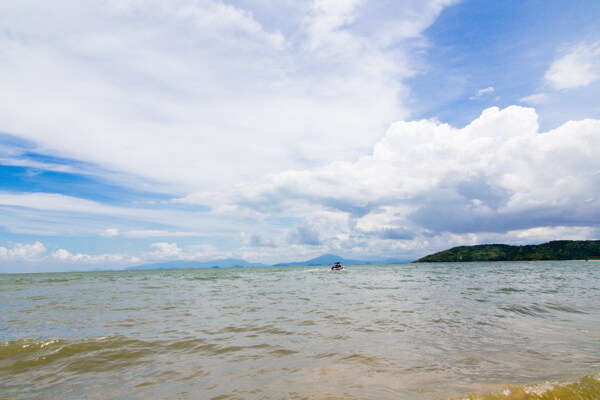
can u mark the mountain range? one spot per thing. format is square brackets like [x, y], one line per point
[326, 259]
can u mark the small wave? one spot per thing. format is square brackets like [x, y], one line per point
[283, 352]
[53, 280]
[536, 309]
[532, 309]
[510, 290]
[30, 281]
[566, 309]
[585, 388]
[85, 355]
[268, 329]
[362, 359]
[205, 278]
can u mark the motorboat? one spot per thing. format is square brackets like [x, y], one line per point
[337, 266]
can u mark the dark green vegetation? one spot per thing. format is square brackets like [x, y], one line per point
[556, 250]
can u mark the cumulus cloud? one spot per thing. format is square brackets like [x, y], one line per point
[579, 66]
[24, 252]
[425, 184]
[35, 257]
[164, 250]
[98, 259]
[21, 257]
[498, 174]
[201, 97]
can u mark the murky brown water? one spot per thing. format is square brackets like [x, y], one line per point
[419, 331]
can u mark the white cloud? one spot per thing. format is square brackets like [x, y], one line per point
[148, 233]
[487, 90]
[168, 92]
[25, 252]
[198, 96]
[424, 183]
[163, 251]
[544, 234]
[325, 20]
[535, 99]
[59, 202]
[483, 92]
[100, 259]
[53, 202]
[578, 67]
[424, 179]
[47, 214]
[21, 257]
[110, 232]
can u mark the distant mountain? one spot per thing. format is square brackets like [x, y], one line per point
[328, 259]
[556, 250]
[180, 264]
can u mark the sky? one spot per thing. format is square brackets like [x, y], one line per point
[136, 132]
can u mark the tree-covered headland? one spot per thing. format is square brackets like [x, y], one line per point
[555, 250]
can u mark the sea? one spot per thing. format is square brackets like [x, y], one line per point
[414, 331]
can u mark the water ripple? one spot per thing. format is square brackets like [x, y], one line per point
[386, 332]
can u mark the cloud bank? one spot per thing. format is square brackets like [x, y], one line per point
[425, 179]
[425, 186]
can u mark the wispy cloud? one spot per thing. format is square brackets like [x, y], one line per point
[110, 232]
[58, 202]
[169, 100]
[487, 90]
[482, 93]
[52, 214]
[148, 233]
[535, 99]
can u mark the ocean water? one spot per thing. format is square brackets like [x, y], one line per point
[416, 331]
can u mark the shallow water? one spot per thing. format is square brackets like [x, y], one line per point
[416, 331]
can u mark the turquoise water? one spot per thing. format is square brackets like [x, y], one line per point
[416, 331]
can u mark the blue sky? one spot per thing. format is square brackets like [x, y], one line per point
[137, 132]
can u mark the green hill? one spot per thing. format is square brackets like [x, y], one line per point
[555, 250]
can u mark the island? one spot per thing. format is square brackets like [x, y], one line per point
[555, 250]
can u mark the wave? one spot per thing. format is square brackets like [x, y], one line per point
[539, 309]
[585, 388]
[57, 363]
